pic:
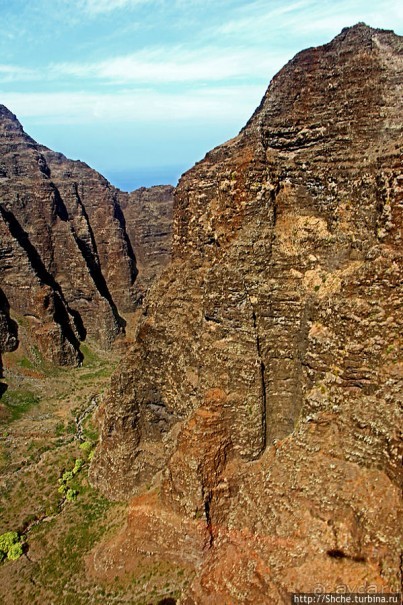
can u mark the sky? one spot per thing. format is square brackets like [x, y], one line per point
[142, 89]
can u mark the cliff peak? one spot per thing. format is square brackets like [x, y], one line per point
[361, 30]
[7, 114]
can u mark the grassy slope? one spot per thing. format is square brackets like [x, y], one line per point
[37, 444]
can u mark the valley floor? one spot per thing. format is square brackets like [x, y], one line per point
[46, 426]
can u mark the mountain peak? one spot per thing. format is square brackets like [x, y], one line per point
[360, 32]
[6, 113]
[362, 27]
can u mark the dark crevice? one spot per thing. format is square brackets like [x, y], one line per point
[42, 165]
[93, 247]
[207, 505]
[61, 210]
[264, 412]
[22, 238]
[273, 198]
[62, 314]
[212, 318]
[118, 214]
[97, 276]
[89, 253]
[212, 241]
[336, 553]
[11, 342]
[78, 322]
[263, 380]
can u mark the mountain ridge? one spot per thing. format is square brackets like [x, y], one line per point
[67, 264]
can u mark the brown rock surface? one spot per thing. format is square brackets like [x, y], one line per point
[148, 216]
[265, 378]
[8, 330]
[66, 263]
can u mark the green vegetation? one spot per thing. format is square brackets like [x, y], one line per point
[67, 476]
[86, 446]
[59, 429]
[18, 402]
[15, 551]
[73, 535]
[64, 488]
[71, 494]
[78, 465]
[11, 546]
[100, 368]
[46, 495]
[71, 427]
[91, 359]
[26, 363]
[89, 431]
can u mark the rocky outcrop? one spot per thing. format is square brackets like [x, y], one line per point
[8, 330]
[148, 216]
[265, 376]
[66, 264]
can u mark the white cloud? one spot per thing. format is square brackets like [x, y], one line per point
[13, 73]
[260, 21]
[205, 105]
[169, 65]
[96, 7]
[257, 16]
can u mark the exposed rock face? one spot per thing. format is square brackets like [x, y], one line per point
[265, 377]
[148, 215]
[66, 264]
[8, 330]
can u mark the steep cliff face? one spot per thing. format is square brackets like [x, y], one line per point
[66, 263]
[8, 330]
[265, 376]
[148, 216]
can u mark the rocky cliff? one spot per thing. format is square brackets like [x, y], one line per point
[148, 215]
[8, 330]
[261, 395]
[67, 266]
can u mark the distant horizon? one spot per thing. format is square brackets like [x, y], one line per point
[148, 87]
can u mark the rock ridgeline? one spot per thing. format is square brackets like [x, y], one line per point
[67, 265]
[264, 380]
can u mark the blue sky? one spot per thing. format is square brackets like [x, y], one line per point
[142, 89]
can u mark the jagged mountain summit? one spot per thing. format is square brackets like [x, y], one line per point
[261, 398]
[67, 265]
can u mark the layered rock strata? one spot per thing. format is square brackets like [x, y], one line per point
[148, 215]
[66, 263]
[264, 382]
[8, 330]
